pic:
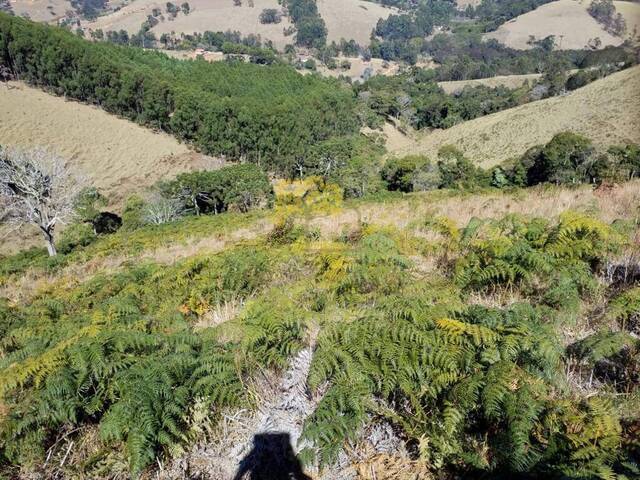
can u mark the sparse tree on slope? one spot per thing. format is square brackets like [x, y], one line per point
[37, 188]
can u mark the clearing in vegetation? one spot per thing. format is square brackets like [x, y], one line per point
[351, 19]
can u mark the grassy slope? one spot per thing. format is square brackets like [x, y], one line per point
[344, 18]
[568, 20]
[118, 156]
[607, 111]
[197, 239]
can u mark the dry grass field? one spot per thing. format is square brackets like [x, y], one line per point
[607, 111]
[631, 13]
[568, 20]
[351, 19]
[118, 156]
[509, 81]
[41, 10]
[214, 15]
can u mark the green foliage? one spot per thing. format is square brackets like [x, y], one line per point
[514, 251]
[311, 29]
[469, 387]
[239, 187]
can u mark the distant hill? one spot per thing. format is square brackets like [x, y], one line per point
[568, 21]
[607, 111]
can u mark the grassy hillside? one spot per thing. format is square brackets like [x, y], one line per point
[119, 157]
[567, 20]
[351, 19]
[608, 111]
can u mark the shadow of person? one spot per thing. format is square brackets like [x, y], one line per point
[272, 458]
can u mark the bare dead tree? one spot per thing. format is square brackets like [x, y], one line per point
[37, 188]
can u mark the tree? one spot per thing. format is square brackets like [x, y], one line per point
[270, 15]
[36, 187]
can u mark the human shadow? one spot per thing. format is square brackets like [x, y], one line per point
[271, 458]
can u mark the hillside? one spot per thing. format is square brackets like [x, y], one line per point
[509, 81]
[118, 156]
[607, 111]
[568, 20]
[350, 19]
[241, 315]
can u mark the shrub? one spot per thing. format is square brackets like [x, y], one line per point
[399, 174]
[270, 15]
[237, 187]
[567, 158]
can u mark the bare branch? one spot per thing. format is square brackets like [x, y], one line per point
[37, 187]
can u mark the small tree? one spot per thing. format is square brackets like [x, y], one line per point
[36, 187]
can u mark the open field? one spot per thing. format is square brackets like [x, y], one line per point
[631, 13]
[607, 111]
[118, 156]
[41, 10]
[568, 20]
[351, 19]
[509, 81]
[543, 201]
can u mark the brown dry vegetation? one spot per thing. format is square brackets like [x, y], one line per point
[39, 10]
[607, 111]
[344, 18]
[568, 20]
[509, 81]
[214, 15]
[351, 19]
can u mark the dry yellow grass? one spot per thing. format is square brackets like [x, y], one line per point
[509, 81]
[41, 10]
[344, 18]
[620, 202]
[631, 13]
[118, 156]
[351, 19]
[568, 20]
[607, 111]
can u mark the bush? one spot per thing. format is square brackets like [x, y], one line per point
[132, 215]
[567, 158]
[400, 173]
[238, 187]
[270, 15]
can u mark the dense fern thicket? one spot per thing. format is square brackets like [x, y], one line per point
[265, 114]
[455, 337]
